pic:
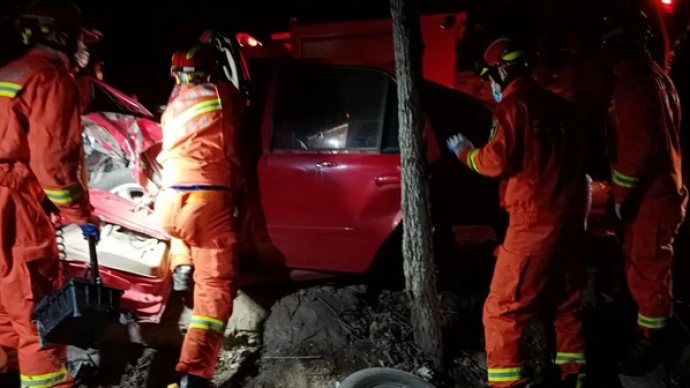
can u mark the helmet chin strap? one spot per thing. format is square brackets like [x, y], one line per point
[496, 90]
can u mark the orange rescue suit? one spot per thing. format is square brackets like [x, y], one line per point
[647, 182]
[41, 161]
[200, 134]
[200, 171]
[538, 151]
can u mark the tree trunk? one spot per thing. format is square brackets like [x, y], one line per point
[418, 255]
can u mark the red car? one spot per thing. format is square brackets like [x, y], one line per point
[322, 164]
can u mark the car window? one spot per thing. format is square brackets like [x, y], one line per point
[391, 129]
[330, 108]
[450, 111]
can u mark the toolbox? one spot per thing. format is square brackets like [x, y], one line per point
[80, 311]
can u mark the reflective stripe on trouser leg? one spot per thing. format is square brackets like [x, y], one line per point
[563, 358]
[213, 277]
[570, 342]
[47, 380]
[651, 322]
[649, 260]
[39, 367]
[207, 323]
[505, 375]
[523, 263]
[571, 364]
[503, 325]
[34, 273]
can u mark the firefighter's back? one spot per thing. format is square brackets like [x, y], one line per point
[550, 159]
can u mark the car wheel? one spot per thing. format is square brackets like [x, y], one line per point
[383, 378]
[120, 182]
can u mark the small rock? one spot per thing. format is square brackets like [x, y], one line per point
[247, 315]
[425, 373]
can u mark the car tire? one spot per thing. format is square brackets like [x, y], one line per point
[383, 378]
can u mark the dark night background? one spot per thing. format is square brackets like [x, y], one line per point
[141, 35]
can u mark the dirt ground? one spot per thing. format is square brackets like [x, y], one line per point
[315, 335]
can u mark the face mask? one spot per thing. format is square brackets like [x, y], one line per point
[496, 91]
[82, 56]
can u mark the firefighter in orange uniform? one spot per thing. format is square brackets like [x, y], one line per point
[537, 150]
[41, 160]
[648, 191]
[200, 166]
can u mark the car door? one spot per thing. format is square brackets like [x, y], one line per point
[329, 185]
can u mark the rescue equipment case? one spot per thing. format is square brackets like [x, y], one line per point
[80, 311]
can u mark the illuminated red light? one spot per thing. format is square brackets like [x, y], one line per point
[280, 36]
[247, 40]
[667, 6]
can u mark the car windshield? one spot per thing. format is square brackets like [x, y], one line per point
[98, 96]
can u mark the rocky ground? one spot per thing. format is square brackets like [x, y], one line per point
[315, 335]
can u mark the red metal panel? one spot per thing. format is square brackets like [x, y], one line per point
[372, 41]
[332, 218]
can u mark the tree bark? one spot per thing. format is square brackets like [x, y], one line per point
[418, 255]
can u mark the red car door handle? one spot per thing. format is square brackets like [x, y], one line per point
[326, 165]
[388, 180]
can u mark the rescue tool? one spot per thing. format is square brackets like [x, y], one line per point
[79, 312]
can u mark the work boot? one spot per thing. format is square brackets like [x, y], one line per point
[645, 354]
[192, 381]
[183, 278]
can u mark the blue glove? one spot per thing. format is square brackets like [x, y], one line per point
[91, 232]
[457, 143]
[618, 209]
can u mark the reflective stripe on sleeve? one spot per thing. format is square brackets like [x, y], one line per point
[66, 196]
[625, 180]
[9, 89]
[47, 380]
[502, 375]
[471, 159]
[652, 323]
[563, 358]
[196, 110]
[207, 323]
